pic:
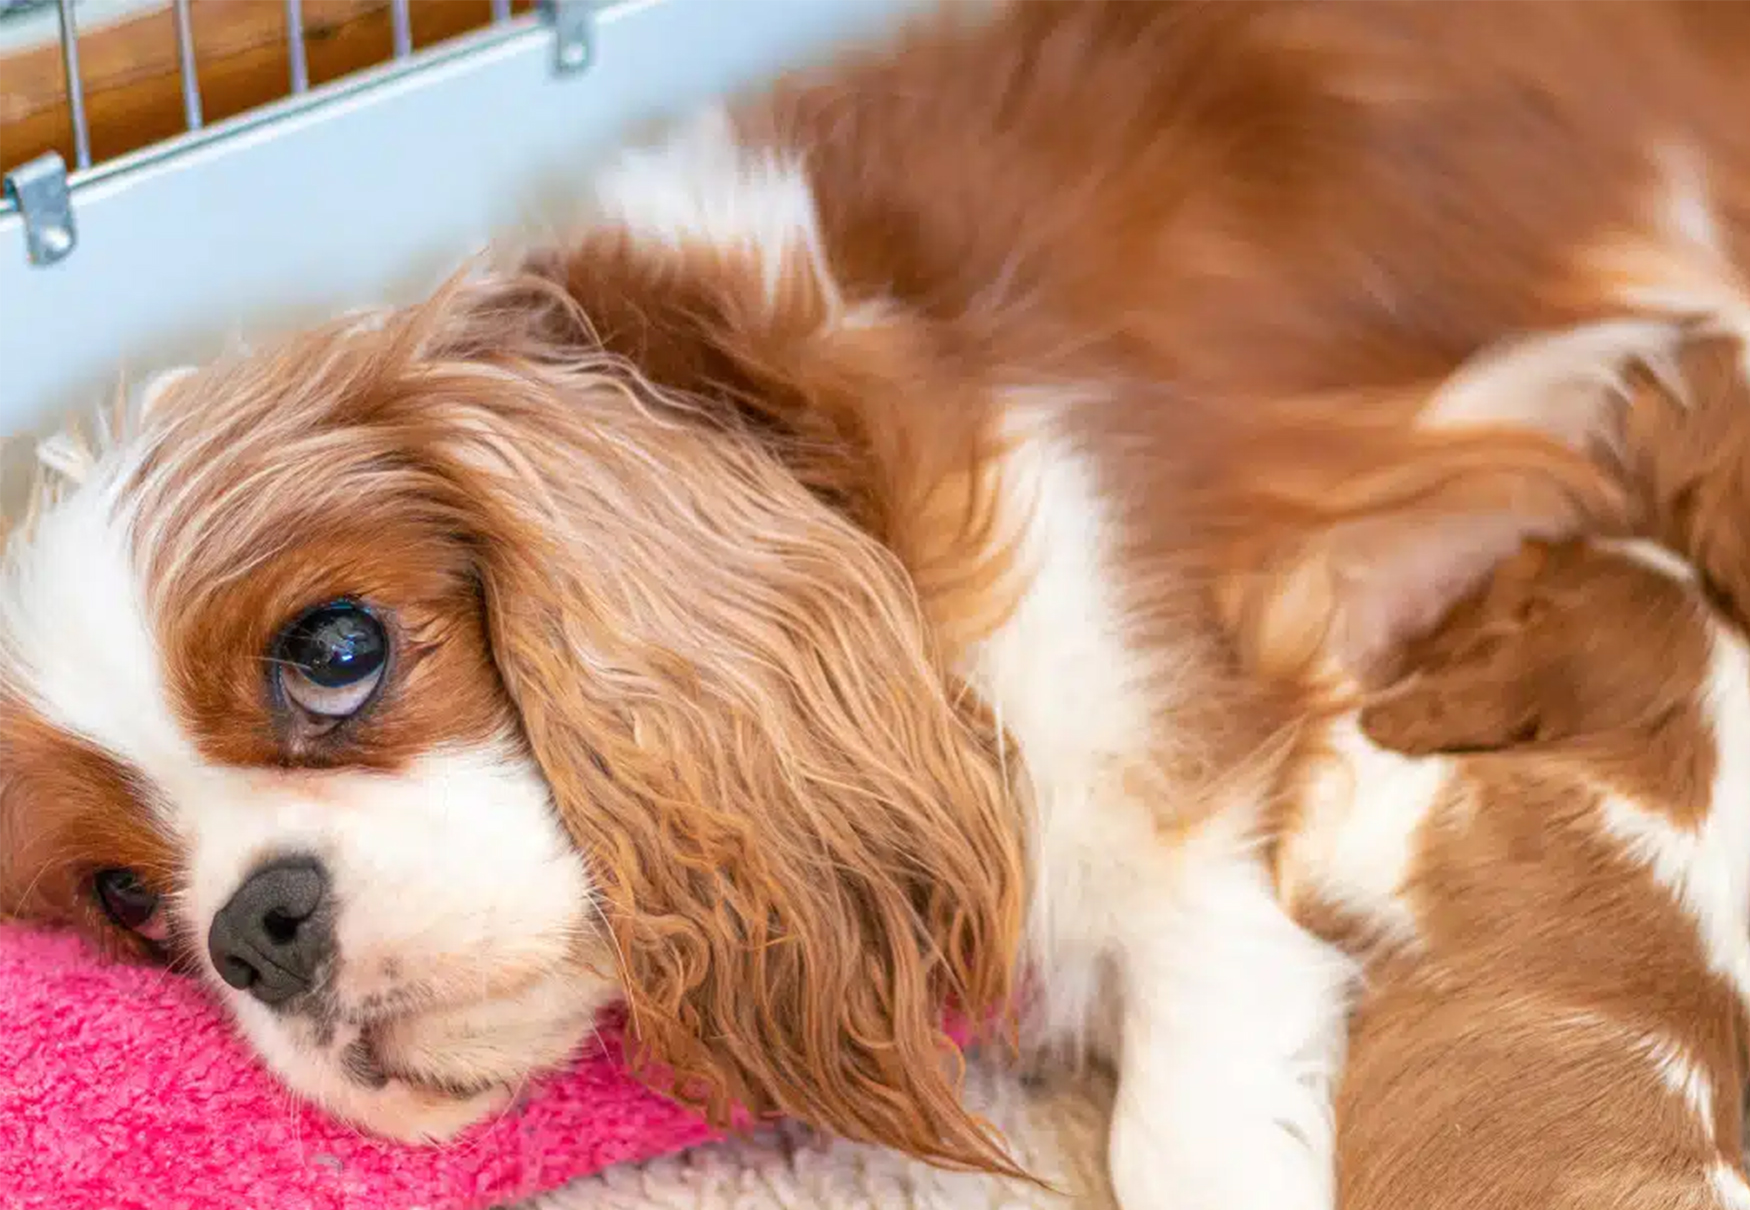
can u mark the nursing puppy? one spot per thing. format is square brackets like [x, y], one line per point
[1537, 848]
[1533, 841]
[849, 572]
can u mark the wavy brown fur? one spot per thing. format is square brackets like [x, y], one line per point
[804, 850]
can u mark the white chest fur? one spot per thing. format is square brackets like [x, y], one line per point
[1171, 954]
[1068, 690]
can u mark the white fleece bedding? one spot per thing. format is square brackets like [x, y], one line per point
[1057, 1127]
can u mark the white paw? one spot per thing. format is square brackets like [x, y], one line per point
[1233, 1043]
[1257, 1165]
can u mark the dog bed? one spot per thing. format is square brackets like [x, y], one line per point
[1057, 1127]
[124, 1088]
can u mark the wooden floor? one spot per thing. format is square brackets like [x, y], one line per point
[133, 86]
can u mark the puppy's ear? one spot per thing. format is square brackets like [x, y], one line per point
[803, 846]
[1538, 655]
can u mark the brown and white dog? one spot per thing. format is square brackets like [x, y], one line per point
[1534, 843]
[1537, 846]
[867, 562]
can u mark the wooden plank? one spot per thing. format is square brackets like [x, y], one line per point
[133, 87]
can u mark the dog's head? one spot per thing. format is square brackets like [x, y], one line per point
[429, 682]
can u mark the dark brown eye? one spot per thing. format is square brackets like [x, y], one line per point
[130, 903]
[330, 661]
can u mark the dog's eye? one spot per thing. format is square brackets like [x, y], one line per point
[330, 661]
[130, 903]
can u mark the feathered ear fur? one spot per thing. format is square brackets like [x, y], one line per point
[858, 404]
[803, 846]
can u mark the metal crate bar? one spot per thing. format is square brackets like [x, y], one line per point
[295, 56]
[191, 81]
[500, 10]
[401, 22]
[225, 225]
[75, 85]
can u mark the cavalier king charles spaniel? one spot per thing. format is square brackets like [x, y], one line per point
[874, 572]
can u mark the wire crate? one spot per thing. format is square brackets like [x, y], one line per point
[222, 180]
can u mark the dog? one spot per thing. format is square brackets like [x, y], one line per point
[1536, 848]
[1530, 840]
[861, 573]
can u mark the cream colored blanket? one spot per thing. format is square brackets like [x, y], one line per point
[1058, 1128]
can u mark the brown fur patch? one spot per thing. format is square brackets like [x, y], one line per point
[68, 810]
[1687, 451]
[1248, 241]
[868, 416]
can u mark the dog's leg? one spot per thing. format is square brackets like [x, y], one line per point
[1233, 1038]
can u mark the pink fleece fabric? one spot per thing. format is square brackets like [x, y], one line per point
[124, 1088]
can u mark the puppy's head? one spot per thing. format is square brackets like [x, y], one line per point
[1572, 642]
[429, 682]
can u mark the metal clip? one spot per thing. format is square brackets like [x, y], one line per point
[39, 190]
[573, 24]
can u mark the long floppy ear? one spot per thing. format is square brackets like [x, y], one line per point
[861, 409]
[1536, 656]
[803, 845]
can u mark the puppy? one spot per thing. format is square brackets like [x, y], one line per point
[1537, 848]
[864, 565]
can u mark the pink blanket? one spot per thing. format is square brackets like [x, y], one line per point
[124, 1089]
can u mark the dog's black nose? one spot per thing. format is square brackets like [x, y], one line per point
[272, 937]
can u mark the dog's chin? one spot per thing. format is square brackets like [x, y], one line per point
[407, 1112]
[425, 1076]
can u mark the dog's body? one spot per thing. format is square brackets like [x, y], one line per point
[892, 532]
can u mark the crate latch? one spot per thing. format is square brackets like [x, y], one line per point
[39, 190]
[573, 23]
